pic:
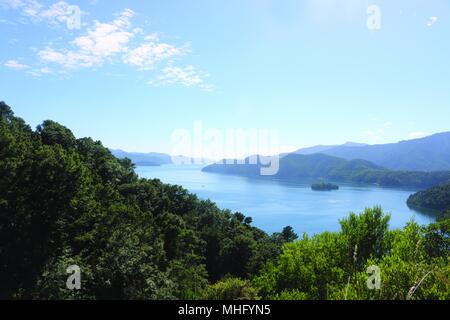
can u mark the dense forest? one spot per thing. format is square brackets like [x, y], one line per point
[67, 201]
[436, 198]
[321, 166]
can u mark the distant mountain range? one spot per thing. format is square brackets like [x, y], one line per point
[156, 159]
[324, 149]
[429, 154]
[426, 154]
[143, 159]
[325, 167]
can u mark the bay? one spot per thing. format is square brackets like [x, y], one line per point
[275, 204]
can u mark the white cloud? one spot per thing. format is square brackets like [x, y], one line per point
[57, 13]
[40, 72]
[377, 133]
[187, 76]
[54, 14]
[69, 59]
[32, 9]
[109, 40]
[106, 38]
[114, 42]
[14, 64]
[418, 134]
[432, 21]
[147, 55]
[13, 4]
[102, 41]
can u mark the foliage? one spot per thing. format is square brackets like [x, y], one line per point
[231, 289]
[413, 262]
[67, 201]
[436, 198]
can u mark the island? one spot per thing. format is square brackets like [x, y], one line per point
[324, 187]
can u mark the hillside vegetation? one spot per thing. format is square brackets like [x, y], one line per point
[320, 166]
[67, 201]
[436, 198]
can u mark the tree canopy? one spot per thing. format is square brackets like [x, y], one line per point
[66, 201]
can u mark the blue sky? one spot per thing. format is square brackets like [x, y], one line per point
[135, 71]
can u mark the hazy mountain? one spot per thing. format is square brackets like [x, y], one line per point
[157, 159]
[321, 166]
[322, 148]
[426, 154]
[144, 159]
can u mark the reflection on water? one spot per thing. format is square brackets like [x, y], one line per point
[275, 204]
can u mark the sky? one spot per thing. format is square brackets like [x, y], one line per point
[131, 73]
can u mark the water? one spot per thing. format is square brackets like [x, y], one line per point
[276, 204]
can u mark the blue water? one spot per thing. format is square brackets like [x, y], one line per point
[276, 204]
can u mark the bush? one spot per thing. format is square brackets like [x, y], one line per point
[231, 289]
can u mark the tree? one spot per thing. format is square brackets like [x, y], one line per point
[288, 234]
[53, 133]
[230, 289]
[367, 235]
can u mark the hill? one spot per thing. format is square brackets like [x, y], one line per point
[320, 166]
[426, 154]
[436, 198]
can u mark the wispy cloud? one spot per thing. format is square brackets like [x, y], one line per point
[376, 134]
[101, 42]
[115, 42]
[418, 134]
[54, 14]
[13, 4]
[432, 21]
[187, 76]
[152, 52]
[40, 72]
[14, 64]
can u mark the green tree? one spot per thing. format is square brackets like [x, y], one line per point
[367, 235]
[230, 289]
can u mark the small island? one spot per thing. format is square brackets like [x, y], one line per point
[324, 186]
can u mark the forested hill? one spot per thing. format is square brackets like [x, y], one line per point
[67, 201]
[321, 166]
[436, 198]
